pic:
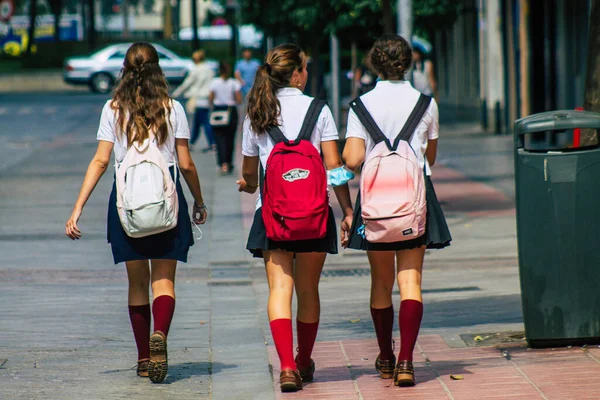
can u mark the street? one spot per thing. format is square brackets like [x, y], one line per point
[65, 331]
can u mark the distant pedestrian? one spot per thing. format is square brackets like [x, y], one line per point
[364, 79]
[423, 75]
[245, 71]
[141, 115]
[225, 95]
[395, 198]
[196, 88]
[290, 130]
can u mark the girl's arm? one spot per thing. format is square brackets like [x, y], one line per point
[211, 98]
[190, 174]
[431, 151]
[95, 170]
[249, 181]
[354, 153]
[332, 159]
[238, 97]
[432, 80]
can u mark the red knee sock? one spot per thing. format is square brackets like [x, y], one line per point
[383, 321]
[163, 308]
[140, 323]
[283, 337]
[307, 334]
[411, 312]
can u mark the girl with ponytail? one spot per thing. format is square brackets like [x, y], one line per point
[276, 99]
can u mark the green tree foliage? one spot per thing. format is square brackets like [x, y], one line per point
[354, 20]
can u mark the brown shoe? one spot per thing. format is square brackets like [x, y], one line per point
[385, 367]
[290, 381]
[404, 374]
[308, 374]
[158, 366]
[142, 368]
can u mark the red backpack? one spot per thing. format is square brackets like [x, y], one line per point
[295, 204]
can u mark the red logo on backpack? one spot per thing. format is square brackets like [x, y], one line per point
[295, 204]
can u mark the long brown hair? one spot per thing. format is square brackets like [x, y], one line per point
[264, 108]
[141, 98]
[391, 56]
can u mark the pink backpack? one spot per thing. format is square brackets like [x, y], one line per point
[392, 183]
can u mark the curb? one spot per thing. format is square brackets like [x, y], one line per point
[36, 82]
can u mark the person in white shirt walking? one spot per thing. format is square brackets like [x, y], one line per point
[225, 95]
[196, 88]
[387, 109]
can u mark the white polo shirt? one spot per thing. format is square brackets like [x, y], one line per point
[390, 103]
[224, 91]
[294, 106]
[178, 128]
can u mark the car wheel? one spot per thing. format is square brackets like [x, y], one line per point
[101, 83]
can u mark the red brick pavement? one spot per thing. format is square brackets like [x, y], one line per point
[345, 371]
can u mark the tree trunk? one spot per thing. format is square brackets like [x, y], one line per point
[125, 6]
[91, 14]
[354, 67]
[195, 39]
[388, 18]
[592, 86]
[315, 72]
[31, 33]
[57, 6]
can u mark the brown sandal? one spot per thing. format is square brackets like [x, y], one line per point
[142, 368]
[158, 366]
[404, 374]
[290, 381]
[385, 367]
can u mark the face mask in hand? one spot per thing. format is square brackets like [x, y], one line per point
[339, 176]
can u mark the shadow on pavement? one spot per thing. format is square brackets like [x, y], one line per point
[180, 372]
[423, 372]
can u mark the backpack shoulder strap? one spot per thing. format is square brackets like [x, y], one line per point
[311, 118]
[413, 120]
[276, 135]
[368, 122]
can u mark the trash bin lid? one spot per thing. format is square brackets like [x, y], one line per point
[557, 121]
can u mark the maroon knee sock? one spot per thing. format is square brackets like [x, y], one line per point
[283, 337]
[411, 312]
[307, 334]
[383, 321]
[140, 323]
[163, 308]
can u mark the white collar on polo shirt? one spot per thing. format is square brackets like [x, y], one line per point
[289, 91]
[393, 83]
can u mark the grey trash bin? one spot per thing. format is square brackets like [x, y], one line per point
[558, 230]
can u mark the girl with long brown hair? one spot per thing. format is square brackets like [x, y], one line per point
[276, 100]
[142, 110]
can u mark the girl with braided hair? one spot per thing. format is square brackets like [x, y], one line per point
[141, 108]
[389, 105]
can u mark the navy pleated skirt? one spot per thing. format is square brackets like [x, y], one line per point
[436, 236]
[259, 242]
[170, 245]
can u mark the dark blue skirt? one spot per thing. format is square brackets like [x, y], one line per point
[258, 240]
[436, 236]
[170, 245]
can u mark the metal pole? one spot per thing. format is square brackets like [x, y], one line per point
[195, 40]
[405, 26]
[405, 20]
[335, 77]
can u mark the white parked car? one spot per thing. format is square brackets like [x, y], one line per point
[101, 70]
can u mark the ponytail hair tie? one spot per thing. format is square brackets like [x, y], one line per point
[268, 68]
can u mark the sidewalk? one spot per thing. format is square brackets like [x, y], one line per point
[66, 334]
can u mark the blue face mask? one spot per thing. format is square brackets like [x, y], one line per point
[339, 176]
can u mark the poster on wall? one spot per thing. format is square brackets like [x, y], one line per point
[14, 35]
